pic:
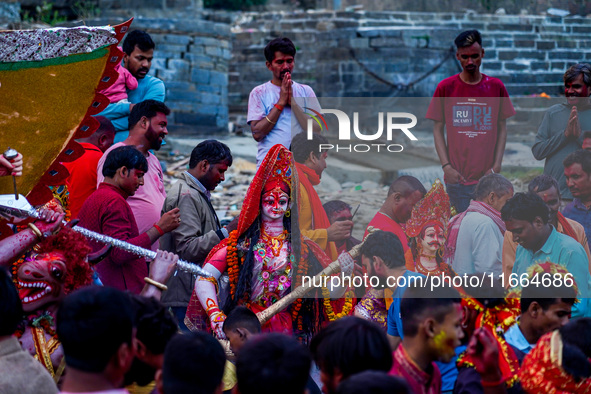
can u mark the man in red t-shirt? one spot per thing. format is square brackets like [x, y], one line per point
[82, 180]
[472, 107]
[403, 195]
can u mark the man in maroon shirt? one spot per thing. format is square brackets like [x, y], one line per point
[82, 180]
[107, 212]
[472, 108]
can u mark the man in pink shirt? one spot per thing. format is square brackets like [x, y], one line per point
[472, 108]
[147, 130]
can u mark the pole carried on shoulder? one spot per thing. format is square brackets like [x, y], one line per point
[299, 292]
[26, 211]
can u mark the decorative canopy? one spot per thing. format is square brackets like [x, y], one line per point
[49, 83]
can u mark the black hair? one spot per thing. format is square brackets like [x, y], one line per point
[492, 183]
[105, 126]
[281, 44]
[525, 206]
[272, 363]
[546, 296]
[193, 364]
[124, 156]
[586, 134]
[421, 301]
[155, 324]
[582, 157]
[351, 345]
[11, 308]
[301, 146]
[373, 382]
[542, 183]
[468, 38]
[147, 108]
[155, 327]
[92, 323]
[406, 185]
[242, 317]
[335, 206]
[138, 38]
[386, 246]
[575, 70]
[211, 150]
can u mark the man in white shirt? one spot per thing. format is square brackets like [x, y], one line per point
[270, 105]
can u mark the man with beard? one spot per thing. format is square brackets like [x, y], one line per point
[200, 229]
[472, 108]
[147, 123]
[526, 216]
[138, 52]
[560, 132]
[547, 188]
[270, 105]
[383, 258]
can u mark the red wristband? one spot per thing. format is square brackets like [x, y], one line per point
[279, 107]
[159, 230]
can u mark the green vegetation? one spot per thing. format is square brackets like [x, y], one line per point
[45, 14]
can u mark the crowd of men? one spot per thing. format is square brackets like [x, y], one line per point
[128, 329]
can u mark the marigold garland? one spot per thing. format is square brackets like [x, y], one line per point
[301, 271]
[232, 261]
[347, 307]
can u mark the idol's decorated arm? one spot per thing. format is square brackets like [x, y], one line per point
[11, 248]
[206, 290]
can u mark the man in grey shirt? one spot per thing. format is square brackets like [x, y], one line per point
[560, 133]
[199, 230]
[475, 239]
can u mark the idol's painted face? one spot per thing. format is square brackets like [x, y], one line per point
[41, 280]
[433, 239]
[274, 204]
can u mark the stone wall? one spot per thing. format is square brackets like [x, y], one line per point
[374, 54]
[383, 54]
[191, 57]
[210, 61]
